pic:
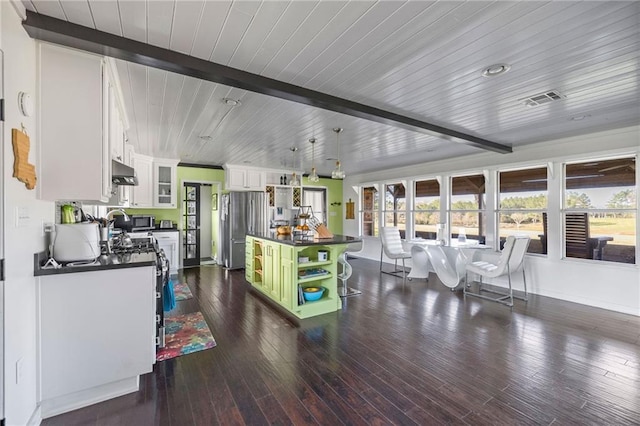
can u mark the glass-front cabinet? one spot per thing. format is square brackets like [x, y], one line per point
[164, 190]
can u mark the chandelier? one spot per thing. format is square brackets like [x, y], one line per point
[337, 173]
[313, 176]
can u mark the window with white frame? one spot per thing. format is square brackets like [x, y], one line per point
[600, 209]
[467, 207]
[522, 206]
[395, 206]
[369, 210]
[426, 208]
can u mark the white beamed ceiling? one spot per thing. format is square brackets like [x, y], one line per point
[420, 59]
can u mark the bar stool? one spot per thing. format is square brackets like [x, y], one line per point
[344, 276]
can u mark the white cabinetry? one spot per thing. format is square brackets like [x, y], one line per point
[169, 241]
[75, 155]
[83, 349]
[164, 183]
[142, 194]
[239, 178]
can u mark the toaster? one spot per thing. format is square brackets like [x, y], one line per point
[166, 224]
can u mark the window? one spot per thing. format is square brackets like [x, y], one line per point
[522, 206]
[467, 206]
[369, 211]
[395, 207]
[426, 208]
[317, 199]
[600, 210]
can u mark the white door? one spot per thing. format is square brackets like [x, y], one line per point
[1, 245]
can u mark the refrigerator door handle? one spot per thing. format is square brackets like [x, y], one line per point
[251, 216]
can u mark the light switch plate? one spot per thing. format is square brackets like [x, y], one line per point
[23, 217]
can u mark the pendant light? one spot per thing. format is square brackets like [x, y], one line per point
[337, 173]
[313, 176]
[294, 175]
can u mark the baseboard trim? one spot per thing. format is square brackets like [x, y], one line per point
[36, 417]
[63, 404]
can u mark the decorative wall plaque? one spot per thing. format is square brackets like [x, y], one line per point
[22, 170]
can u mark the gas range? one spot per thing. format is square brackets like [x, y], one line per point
[138, 245]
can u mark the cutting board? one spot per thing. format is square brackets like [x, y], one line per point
[22, 170]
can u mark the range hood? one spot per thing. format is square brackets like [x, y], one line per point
[121, 174]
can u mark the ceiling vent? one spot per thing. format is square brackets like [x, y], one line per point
[542, 98]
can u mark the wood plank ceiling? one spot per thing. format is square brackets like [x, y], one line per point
[420, 59]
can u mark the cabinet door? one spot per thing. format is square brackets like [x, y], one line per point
[70, 127]
[164, 185]
[275, 271]
[168, 241]
[143, 192]
[286, 282]
[235, 179]
[254, 180]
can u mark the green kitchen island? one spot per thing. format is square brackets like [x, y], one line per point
[280, 266]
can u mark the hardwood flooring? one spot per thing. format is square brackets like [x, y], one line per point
[415, 355]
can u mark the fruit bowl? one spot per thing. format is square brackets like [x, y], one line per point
[312, 294]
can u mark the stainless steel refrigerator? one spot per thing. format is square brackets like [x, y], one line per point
[240, 213]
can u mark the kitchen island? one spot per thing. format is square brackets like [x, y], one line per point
[97, 327]
[282, 266]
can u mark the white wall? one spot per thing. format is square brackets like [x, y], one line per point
[24, 239]
[602, 284]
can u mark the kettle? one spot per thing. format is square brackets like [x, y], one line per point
[68, 214]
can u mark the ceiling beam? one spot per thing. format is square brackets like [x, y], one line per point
[46, 28]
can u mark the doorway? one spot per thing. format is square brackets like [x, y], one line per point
[191, 225]
[200, 223]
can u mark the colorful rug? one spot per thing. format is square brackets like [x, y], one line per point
[182, 292]
[185, 334]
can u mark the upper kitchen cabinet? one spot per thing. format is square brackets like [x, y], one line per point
[164, 183]
[142, 194]
[75, 155]
[238, 178]
[117, 115]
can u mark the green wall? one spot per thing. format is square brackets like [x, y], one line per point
[334, 195]
[195, 174]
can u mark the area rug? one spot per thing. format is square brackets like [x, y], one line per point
[185, 334]
[182, 292]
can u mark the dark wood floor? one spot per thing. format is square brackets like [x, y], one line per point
[419, 355]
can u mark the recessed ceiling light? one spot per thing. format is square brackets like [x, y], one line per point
[231, 102]
[496, 69]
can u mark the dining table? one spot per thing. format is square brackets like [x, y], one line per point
[448, 259]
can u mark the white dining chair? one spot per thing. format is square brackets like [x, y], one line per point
[393, 249]
[511, 260]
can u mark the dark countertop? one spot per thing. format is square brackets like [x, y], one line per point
[306, 241]
[104, 262]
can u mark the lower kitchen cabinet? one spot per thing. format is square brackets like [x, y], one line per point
[97, 335]
[169, 241]
[279, 270]
[271, 270]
